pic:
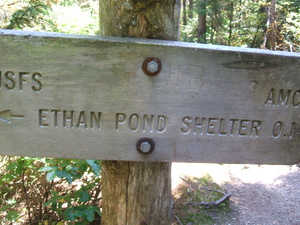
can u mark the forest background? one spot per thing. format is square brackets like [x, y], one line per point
[59, 191]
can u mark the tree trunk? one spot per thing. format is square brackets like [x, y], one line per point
[215, 23]
[140, 18]
[271, 29]
[273, 25]
[137, 193]
[230, 17]
[191, 9]
[184, 14]
[202, 21]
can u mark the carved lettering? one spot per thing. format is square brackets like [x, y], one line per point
[243, 127]
[162, 124]
[283, 97]
[211, 126]
[187, 126]
[293, 131]
[42, 118]
[55, 112]
[10, 83]
[136, 122]
[120, 119]
[199, 125]
[81, 122]
[271, 97]
[220, 127]
[37, 83]
[149, 121]
[296, 99]
[255, 126]
[233, 122]
[67, 118]
[10, 80]
[95, 120]
[286, 131]
[22, 79]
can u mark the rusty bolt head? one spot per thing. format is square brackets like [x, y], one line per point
[151, 66]
[145, 146]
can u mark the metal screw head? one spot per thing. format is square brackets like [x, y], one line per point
[151, 66]
[145, 146]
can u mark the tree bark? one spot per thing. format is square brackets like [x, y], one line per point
[138, 193]
[191, 9]
[202, 21]
[184, 14]
[230, 17]
[273, 25]
[140, 18]
[271, 28]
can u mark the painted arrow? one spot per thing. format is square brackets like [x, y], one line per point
[6, 116]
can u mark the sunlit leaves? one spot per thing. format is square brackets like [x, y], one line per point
[30, 15]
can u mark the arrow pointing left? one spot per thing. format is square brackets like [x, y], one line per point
[6, 116]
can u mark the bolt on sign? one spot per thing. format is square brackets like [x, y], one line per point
[71, 96]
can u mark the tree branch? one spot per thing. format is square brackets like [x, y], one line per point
[26, 195]
[225, 196]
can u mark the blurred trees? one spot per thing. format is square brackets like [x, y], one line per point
[267, 24]
[64, 16]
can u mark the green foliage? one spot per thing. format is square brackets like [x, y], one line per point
[64, 16]
[40, 190]
[12, 215]
[46, 189]
[36, 12]
[244, 23]
[86, 213]
[76, 19]
[76, 203]
[289, 25]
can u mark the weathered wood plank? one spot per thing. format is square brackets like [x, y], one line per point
[78, 96]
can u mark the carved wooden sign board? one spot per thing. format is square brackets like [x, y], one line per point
[72, 96]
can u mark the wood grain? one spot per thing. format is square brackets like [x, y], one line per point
[73, 96]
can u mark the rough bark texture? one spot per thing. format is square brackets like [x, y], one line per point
[154, 19]
[138, 193]
[271, 29]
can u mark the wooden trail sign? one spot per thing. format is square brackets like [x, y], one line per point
[72, 96]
